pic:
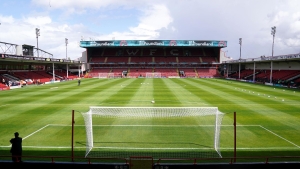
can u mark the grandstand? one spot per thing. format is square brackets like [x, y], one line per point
[20, 67]
[281, 71]
[167, 57]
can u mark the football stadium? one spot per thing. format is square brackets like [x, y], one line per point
[141, 104]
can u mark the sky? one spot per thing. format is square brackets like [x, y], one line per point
[227, 20]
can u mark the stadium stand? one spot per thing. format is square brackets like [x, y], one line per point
[138, 72]
[188, 72]
[282, 77]
[118, 72]
[141, 59]
[163, 59]
[207, 73]
[167, 72]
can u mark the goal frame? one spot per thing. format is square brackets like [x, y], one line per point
[89, 114]
[153, 74]
[106, 75]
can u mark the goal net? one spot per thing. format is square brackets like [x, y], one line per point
[106, 75]
[160, 132]
[153, 75]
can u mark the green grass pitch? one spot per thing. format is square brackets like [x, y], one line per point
[268, 118]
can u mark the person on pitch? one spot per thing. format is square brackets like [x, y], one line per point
[16, 148]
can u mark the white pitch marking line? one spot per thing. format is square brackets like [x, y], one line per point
[262, 148]
[49, 147]
[34, 132]
[52, 147]
[280, 137]
[137, 148]
[157, 125]
[228, 148]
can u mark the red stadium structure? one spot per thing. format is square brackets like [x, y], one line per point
[169, 58]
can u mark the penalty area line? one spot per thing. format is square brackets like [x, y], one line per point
[280, 137]
[53, 147]
[261, 148]
[34, 132]
[47, 147]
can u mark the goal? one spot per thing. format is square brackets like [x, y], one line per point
[106, 75]
[153, 75]
[159, 132]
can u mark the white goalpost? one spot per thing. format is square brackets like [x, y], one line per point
[106, 75]
[153, 75]
[163, 132]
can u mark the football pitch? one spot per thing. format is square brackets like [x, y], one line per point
[267, 118]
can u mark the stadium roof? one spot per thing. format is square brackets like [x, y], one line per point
[152, 43]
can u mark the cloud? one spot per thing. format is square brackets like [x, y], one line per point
[88, 4]
[7, 19]
[152, 19]
[40, 20]
[155, 18]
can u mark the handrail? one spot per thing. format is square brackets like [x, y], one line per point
[193, 161]
[232, 160]
[54, 159]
